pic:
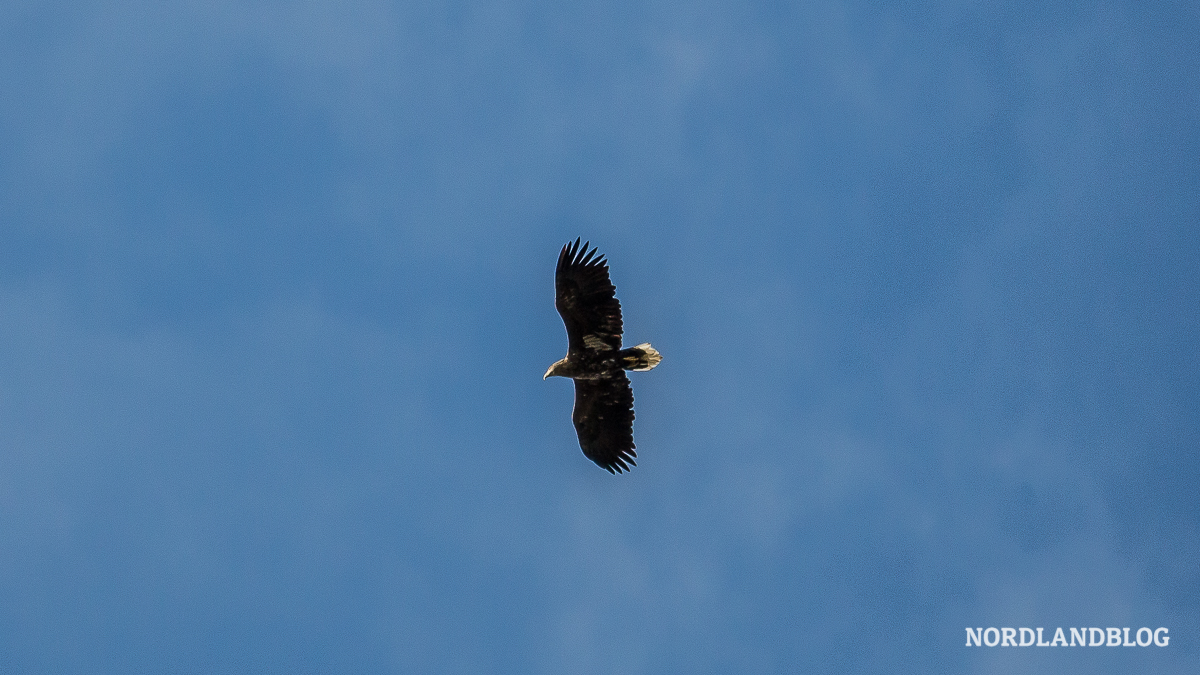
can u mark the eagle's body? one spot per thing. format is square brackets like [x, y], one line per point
[603, 415]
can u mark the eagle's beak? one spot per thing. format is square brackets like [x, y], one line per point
[548, 371]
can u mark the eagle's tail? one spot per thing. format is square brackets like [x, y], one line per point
[641, 357]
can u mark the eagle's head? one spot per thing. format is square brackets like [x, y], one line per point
[556, 369]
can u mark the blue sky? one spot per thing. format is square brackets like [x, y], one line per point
[276, 297]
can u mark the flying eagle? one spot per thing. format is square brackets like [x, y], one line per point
[587, 302]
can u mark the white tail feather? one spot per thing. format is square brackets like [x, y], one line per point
[650, 359]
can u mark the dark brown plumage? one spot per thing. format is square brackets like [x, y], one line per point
[603, 415]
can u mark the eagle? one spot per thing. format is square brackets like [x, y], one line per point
[603, 415]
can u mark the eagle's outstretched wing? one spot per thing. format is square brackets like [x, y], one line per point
[586, 300]
[603, 419]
